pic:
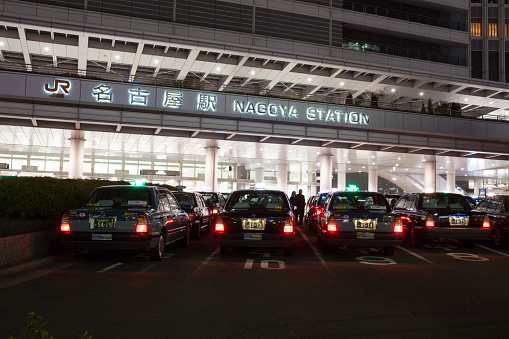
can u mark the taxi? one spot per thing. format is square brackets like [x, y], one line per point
[358, 219]
[256, 218]
[126, 217]
[439, 215]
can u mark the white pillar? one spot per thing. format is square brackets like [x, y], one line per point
[211, 161]
[430, 172]
[325, 172]
[478, 183]
[76, 154]
[451, 181]
[282, 177]
[373, 178]
[259, 178]
[341, 177]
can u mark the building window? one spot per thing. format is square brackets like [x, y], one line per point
[506, 30]
[476, 27]
[492, 29]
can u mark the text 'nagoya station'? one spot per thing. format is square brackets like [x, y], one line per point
[389, 95]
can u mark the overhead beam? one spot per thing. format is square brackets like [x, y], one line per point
[136, 62]
[191, 57]
[24, 48]
[82, 54]
[223, 84]
[289, 66]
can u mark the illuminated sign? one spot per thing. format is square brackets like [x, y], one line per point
[339, 116]
[207, 102]
[261, 108]
[352, 188]
[137, 182]
[138, 97]
[58, 85]
[102, 93]
[173, 99]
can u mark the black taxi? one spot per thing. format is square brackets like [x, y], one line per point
[439, 215]
[359, 219]
[497, 208]
[256, 218]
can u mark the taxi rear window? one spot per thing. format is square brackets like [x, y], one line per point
[359, 202]
[253, 201]
[119, 198]
[444, 201]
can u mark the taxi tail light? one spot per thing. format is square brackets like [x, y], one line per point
[64, 223]
[288, 225]
[191, 216]
[398, 227]
[215, 211]
[318, 211]
[429, 221]
[219, 225]
[331, 224]
[486, 223]
[142, 224]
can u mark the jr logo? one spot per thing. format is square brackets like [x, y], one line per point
[63, 84]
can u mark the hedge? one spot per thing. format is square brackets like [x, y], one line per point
[43, 198]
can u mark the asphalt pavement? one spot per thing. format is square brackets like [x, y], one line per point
[436, 290]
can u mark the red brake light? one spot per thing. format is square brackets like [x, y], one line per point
[288, 225]
[398, 227]
[318, 211]
[219, 225]
[142, 224]
[215, 211]
[64, 223]
[429, 221]
[331, 224]
[191, 216]
[486, 222]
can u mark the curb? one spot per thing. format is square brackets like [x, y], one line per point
[26, 265]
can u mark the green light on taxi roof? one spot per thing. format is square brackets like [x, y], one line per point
[352, 188]
[137, 182]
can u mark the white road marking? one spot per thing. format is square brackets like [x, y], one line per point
[203, 264]
[492, 250]
[266, 253]
[249, 264]
[316, 251]
[110, 267]
[415, 254]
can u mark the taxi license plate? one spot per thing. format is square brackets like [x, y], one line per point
[252, 237]
[365, 224]
[365, 235]
[458, 221]
[102, 223]
[253, 224]
[101, 237]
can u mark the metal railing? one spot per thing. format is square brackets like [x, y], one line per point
[395, 14]
[383, 101]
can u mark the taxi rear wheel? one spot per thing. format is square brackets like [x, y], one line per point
[500, 239]
[157, 252]
[197, 230]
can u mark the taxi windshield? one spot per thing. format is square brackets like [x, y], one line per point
[119, 198]
[444, 201]
[186, 200]
[258, 202]
[359, 202]
[210, 198]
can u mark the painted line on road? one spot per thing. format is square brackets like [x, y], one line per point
[415, 255]
[32, 274]
[203, 264]
[492, 250]
[315, 250]
[110, 267]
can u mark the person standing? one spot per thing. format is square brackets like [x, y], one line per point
[300, 203]
[292, 201]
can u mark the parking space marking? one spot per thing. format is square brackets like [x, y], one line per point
[203, 264]
[492, 250]
[415, 255]
[110, 267]
[315, 250]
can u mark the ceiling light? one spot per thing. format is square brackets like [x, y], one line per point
[491, 102]
[342, 83]
[252, 72]
[421, 94]
[1, 43]
[393, 90]
[466, 99]
[309, 79]
[218, 68]
[117, 57]
[156, 61]
[46, 49]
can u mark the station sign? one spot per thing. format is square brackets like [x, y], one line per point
[62, 88]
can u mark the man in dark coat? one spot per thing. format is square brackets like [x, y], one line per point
[300, 204]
